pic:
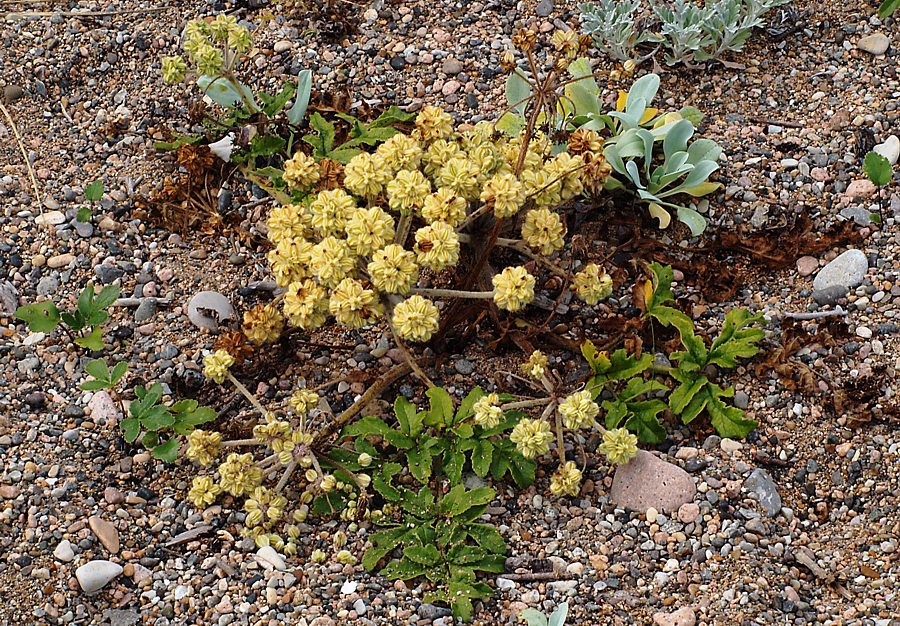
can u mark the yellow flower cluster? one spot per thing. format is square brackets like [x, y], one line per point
[203, 43]
[416, 318]
[566, 480]
[536, 365]
[301, 171]
[203, 446]
[488, 413]
[513, 288]
[204, 491]
[592, 284]
[303, 400]
[263, 324]
[532, 437]
[341, 252]
[215, 365]
[264, 508]
[239, 474]
[619, 446]
[578, 410]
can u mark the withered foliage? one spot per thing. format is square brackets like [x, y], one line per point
[333, 19]
[235, 343]
[794, 374]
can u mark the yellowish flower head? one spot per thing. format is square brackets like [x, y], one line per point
[592, 284]
[536, 365]
[366, 175]
[460, 175]
[173, 69]
[301, 171]
[444, 205]
[203, 446]
[306, 304]
[569, 169]
[303, 400]
[204, 491]
[619, 446]
[532, 437]
[221, 26]
[542, 187]
[330, 210]
[353, 305]
[332, 259]
[369, 230]
[263, 324]
[208, 59]
[578, 410]
[239, 474]
[566, 43]
[513, 288]
[504, 193]
[439, 153]
[216, 365]
[437, 246]
[488, 413]
[286, 222]
[416, 319]
[400, 152]
[434, 123]
[566, 480]
[408, 190]
[393, 269]
[543, 231]
[345, 557]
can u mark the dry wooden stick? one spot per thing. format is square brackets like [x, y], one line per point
[12, 124]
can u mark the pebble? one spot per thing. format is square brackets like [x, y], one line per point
[145, 310]
[203, 303]
[806, 265]
[648, 481]
[682, 617]
[11, 93]
[95, 575]
[269, 556]
[761, 483]
[876, 43]
[847, 270]
[889, 149]
[60, 260]
[106, 532]
[64, 551]
[51, 218]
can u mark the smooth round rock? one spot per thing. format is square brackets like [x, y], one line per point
[208, 309]
[847, 270]
[648, 481]
[95, 575]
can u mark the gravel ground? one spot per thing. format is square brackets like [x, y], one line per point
[87, 98]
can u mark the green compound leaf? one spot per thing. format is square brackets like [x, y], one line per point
[92, 341]
[738, 338]
[459, 500]
[98, 369]
[878, 168]
[383, 543]
[41, 317]
[441, 411]
[131, 428]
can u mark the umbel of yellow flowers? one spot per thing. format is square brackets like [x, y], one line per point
[356, 253]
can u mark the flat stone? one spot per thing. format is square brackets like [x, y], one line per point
[847, 270]
[648, 481]
[269, 556]
[806, 265]
[51, 218]
[282, 46]
[761, 483]
[208, 309]
[8, 492]
[9, 298]
[60, 260]
[688, 512]
[145, 310]
[682, 617]
[889, 149]
[544, 8]
[106, 532]
[113, 495]
[451, 66]
[102, 406]
[876, 43]
[11, 93]
[95, 575]
[121, 617]
[188, 535]
[64, 551]
[862, 188]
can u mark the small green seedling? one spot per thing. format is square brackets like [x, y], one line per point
[92, 193]
[82, 325]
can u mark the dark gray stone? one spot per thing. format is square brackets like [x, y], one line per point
[761, 483]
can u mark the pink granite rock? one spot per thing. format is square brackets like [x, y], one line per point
[651, 482]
